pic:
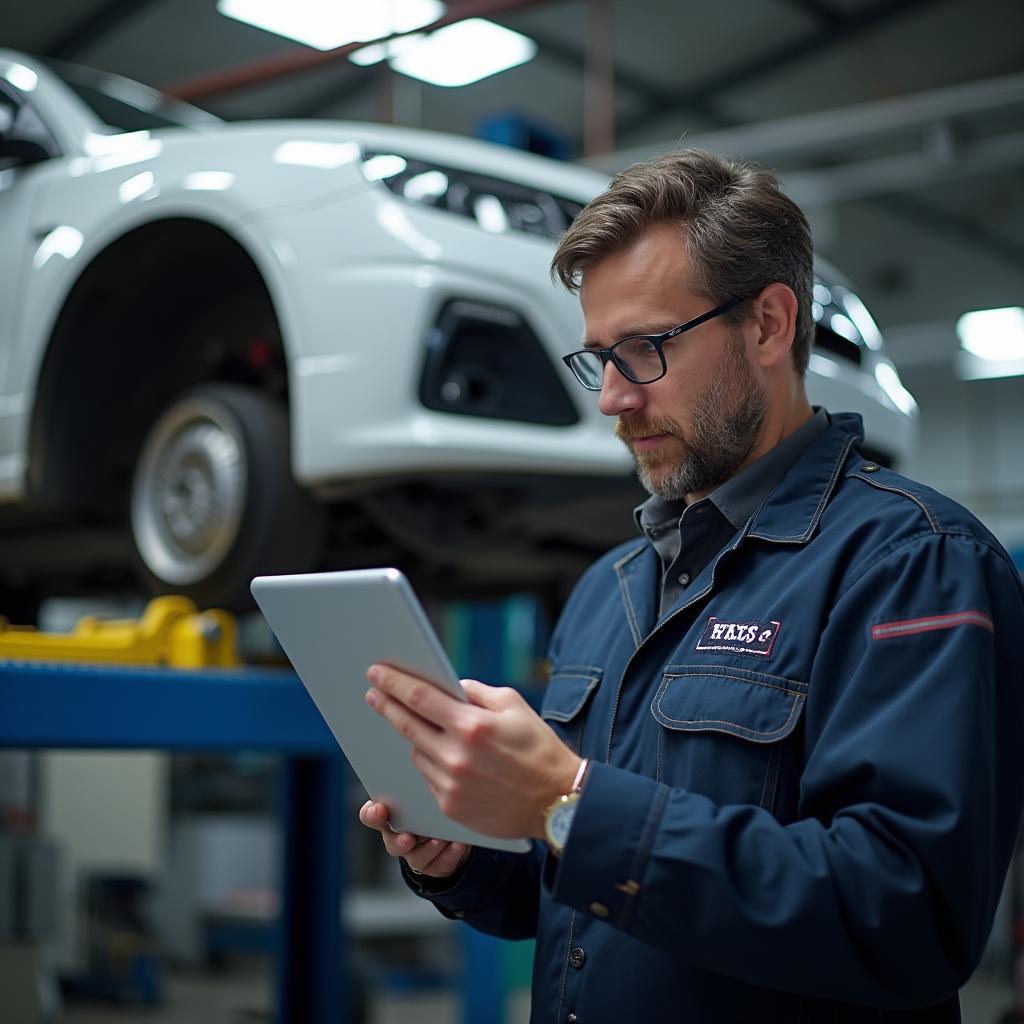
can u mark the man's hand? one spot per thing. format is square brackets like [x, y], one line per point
[492, 764]
[433, 857]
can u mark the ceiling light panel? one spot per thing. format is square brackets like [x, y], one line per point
[327, 24]
[991, 342]
[994, 334]
[455, 55]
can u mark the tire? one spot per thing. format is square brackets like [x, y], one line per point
[213, 501]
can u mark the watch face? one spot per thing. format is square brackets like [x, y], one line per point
[560, 821]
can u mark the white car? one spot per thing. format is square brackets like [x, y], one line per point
[256, 347]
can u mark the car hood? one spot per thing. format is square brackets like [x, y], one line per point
[327, 146]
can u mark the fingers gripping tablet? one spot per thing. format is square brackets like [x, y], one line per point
[333, 626]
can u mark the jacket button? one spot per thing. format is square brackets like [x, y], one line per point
[870, 467]
[577, 958]
[599, 909]
[684, 578]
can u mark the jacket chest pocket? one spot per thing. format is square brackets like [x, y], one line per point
[726, 732]
[568, 691]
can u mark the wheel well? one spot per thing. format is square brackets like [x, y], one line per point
[168, 305]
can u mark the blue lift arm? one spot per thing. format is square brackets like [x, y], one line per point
[94, 707]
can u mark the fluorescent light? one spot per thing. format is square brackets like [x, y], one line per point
[454, 55]
[991, 343]
[326, 24]
[993, 334]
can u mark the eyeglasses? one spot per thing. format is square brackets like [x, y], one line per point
[640, 359]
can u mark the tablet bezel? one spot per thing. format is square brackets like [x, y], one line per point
[333, 626]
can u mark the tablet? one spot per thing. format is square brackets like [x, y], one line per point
[333, 626]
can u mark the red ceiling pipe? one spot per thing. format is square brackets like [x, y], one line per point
[385, 93]
[267, 69]
[599, 80]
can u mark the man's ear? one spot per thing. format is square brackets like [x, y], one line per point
[775, 311]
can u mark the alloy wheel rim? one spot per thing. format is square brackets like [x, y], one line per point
[189, 492]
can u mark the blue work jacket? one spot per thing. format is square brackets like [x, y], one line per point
[807, 773]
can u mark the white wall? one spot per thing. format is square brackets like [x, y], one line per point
[972, 445]
[108, 812]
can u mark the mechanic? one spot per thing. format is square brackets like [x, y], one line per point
[778, 770]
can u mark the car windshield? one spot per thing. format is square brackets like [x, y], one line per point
[127, 106]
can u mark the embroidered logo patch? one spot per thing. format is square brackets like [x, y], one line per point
[755, 638]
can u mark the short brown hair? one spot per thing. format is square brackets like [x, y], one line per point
[740, 231]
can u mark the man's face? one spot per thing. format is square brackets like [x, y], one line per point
[697, 426]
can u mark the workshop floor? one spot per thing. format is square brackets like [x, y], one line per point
[241, 996]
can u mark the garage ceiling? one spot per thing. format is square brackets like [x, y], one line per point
[920, 201]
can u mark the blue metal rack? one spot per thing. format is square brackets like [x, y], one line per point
[94, 707]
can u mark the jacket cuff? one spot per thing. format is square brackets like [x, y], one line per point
[460, 893]
[602, 868]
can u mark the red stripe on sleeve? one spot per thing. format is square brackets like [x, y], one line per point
[908, 627]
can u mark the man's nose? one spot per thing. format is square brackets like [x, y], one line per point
[618, 393]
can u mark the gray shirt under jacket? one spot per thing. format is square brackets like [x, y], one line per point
[687, 537]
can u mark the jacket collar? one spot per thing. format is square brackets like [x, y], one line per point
[791, 512]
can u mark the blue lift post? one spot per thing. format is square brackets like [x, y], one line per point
[102, 708]
[497, 642]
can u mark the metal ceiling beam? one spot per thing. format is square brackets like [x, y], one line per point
[927, 123]
[831, 131]
[93, 27]
[751, 68]
[894, 174]
[294, 62]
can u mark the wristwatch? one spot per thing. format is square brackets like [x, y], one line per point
[558, 817]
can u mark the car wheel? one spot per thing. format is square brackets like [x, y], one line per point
[213, 501]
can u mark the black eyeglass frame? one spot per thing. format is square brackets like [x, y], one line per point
[657, 340]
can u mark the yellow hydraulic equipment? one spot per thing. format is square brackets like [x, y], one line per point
[171, 632]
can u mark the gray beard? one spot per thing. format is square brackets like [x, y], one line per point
[727, 422]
